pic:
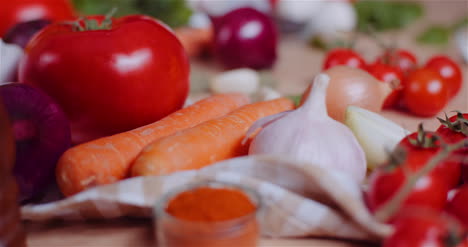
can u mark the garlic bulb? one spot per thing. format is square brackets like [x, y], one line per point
[334, 18]
[298, 11]
[461, 37]
[220, 8]
[308, 134]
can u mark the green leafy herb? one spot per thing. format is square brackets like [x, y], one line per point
[386, 15]
[172, 12]
[436, 35]
[440, 35]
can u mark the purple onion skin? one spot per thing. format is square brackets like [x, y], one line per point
[245, 37]
[21, 33]
[42, 134]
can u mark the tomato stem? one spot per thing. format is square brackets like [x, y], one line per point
[460, 125]
[372, 33]
[385, 212]
[422, 140]
[87, 24]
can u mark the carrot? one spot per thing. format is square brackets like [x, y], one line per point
[107, 160]
[194, 40]
[206, 143]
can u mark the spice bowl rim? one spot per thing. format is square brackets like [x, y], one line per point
[159, 209]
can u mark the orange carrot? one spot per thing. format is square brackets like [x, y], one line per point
[194, 40]
[107, 160]
[206, 143]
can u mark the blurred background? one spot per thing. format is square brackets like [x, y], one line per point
[304, 33]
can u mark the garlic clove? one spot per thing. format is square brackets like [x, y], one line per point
[268, 93]
[199, 20]
[245, 81]
[377, 135]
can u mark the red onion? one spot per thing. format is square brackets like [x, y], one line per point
[22, 32]
[245, 37]
[42, 134]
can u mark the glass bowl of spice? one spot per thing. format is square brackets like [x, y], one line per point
[208, 214]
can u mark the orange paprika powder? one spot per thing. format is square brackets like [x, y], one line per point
[210, 205]
[209, 215]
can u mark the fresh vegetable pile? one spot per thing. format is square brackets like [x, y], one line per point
[99, 99]
[421, 90]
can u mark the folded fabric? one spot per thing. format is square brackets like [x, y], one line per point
[298, 199]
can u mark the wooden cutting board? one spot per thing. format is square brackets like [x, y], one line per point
[296, 67]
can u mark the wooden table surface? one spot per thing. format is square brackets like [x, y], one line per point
[297, 64]
[133, 233]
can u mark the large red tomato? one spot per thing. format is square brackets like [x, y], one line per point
[115, 77]
[15, 11]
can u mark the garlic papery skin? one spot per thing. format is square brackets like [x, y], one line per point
[309, 135]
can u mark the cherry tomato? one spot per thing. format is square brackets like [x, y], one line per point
[453, 130]
[13, 12]
[388, 74]
[420, 229]
[345, 57]
[458, 205]
[107, 81]
[429, 192]
[402, 59]
[464, 242]
[425, 93]
[424, 145]
[449, 70]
